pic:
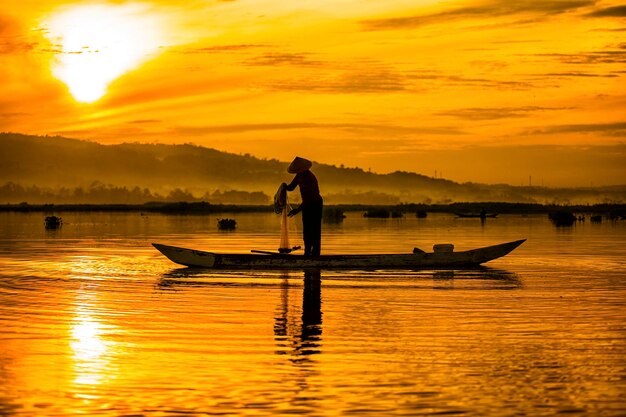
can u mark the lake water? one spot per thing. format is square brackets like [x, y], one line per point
[95, 322]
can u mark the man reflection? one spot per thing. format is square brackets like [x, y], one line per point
[304, 337]
[311, 312]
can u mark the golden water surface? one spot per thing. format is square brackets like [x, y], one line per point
[95, 322]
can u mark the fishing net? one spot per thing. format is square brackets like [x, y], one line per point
[282, 207]
[280, 199]
[284, 233]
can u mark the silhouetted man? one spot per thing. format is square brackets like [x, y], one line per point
[311, 206]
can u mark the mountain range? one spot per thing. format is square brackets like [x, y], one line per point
[54, 163]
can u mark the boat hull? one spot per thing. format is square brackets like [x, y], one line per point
[202, 259]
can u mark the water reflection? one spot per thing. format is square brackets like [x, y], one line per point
[300, 338]
[90, 351]
[483, 277]
[8, 406]
[392, 342]
[478, 278]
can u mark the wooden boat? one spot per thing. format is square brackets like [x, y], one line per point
[476, 215]
[197, 258]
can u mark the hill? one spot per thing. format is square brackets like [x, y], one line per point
[33, 168]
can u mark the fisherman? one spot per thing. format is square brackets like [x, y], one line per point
[311, 206]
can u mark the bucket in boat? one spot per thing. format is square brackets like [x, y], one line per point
[443, 248]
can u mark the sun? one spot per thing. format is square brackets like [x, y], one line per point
[95, 44]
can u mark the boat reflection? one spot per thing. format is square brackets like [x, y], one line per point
[482, 278]
[478, 278]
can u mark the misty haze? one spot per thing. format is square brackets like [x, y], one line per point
[59, 170]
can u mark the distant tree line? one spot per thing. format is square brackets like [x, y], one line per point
[62, 167]
[368, 197]
[99, 193]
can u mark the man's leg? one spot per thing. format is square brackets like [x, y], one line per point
[306, 231]
[317, 230]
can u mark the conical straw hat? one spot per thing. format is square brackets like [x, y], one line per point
[299, 165]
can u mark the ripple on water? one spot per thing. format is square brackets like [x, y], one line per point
[94, 321]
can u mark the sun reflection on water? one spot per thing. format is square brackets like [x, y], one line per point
[107, 327]
[91, 351]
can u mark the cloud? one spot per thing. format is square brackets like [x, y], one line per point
[58, 51]
[386, 80]
[144, 121]
[488, 83]
[580, 74]
[11, 115]
[219, 49]
[610, 30]
[12, 38]
[282, 58]
[447, 80]
[607, 129]
[616, 11]
[8, 26]
[487, 10]
[355, 127]
[494, 113]
[597, 57]
[348, 83]
[11, 47]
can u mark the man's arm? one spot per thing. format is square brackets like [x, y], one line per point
[294, 183]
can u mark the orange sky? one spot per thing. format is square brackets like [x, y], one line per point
[489, 91]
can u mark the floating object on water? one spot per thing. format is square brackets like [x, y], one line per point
[421, 214]
[562, 218]
[227, 224]
[272, 260]
[383, 214]
[333, 215]
[596, 219]
[53, 222]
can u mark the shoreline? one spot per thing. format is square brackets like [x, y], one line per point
[618, 209]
